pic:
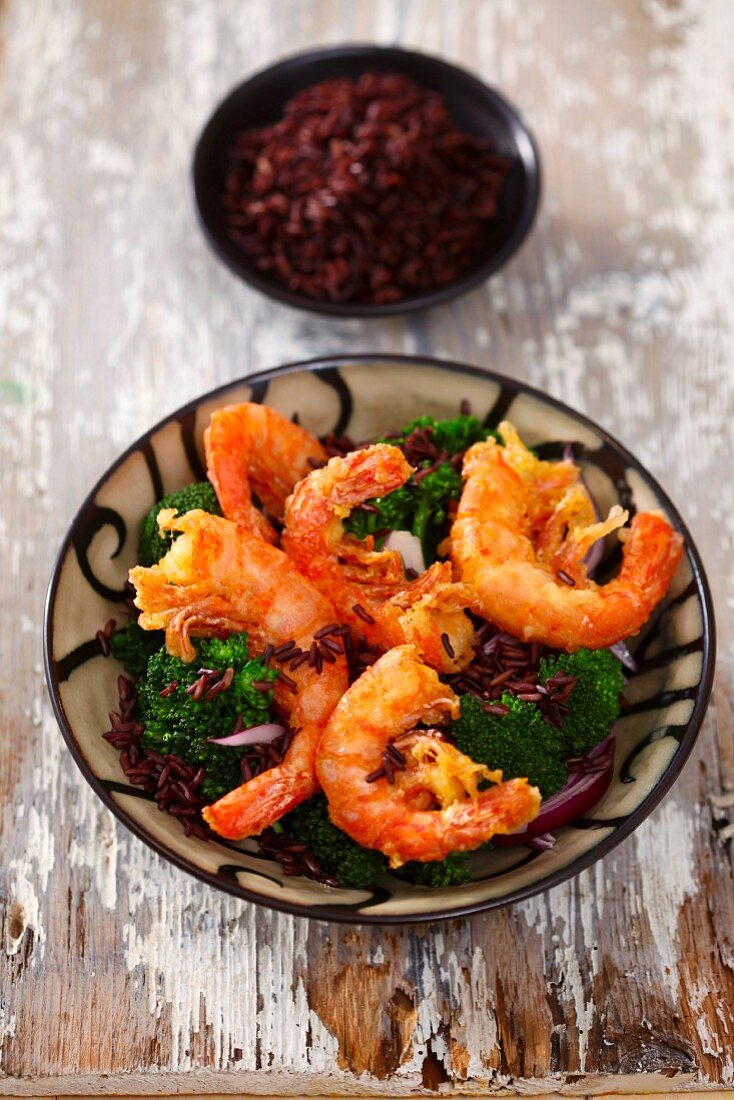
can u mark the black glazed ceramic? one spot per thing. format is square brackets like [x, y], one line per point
[365, 396]
[477, 109]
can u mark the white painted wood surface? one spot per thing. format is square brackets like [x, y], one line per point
[120, 973]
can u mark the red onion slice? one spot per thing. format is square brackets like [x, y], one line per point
[255, 735]
[582, 791]
[409, 547]
[541, 843]
[623, 655]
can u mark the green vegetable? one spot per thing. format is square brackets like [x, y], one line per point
[180, 725]
[394, 511]
[358, 867]
[521, 743]
[431, 518]
[133, 646]
[451, 871]
[422, 508]
[448, 435]
[337, 853]
[154, 543]
[595, 701]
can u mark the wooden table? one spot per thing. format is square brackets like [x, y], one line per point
[121, 974]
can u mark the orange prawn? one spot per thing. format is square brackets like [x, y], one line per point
[520, 548]
[250, 446]
[435, 806]
[219, 578]
[367, 586]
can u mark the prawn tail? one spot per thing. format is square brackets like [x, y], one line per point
[206, 619]
[464, 826]
[373, 471]
[509, 806]
[375, 575]
[260, 802]
[181, 611]
[436, 589]
[228, 470]
[652, 552]
[430, 613]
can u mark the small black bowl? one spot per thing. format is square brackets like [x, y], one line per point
[477, 109]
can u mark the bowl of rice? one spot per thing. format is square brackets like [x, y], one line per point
[365, 181]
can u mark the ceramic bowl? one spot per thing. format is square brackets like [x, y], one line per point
[477, 109]
[366, 396]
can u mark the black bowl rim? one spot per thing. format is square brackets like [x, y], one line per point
[324, 912]
[529, 158]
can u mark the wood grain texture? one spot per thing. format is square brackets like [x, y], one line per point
[121, 974]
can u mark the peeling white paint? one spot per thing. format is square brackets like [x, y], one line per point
[114, 312]
[7, 1029]
[666, 855]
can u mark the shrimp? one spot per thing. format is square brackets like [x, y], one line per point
[390, 609]
[429, 612]
[520, 546]
[384, 704]
[351, 570]
[251, 446]
[219, 578]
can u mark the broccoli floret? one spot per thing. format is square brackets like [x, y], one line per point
[520, 742]
[422, 507]
[595, 700]
[448, 435]
[451, 871]
[180, 725]
[431, 518]
[133, 646]
[394, 511]
[358, 867]
[337, 853]
[153, 542]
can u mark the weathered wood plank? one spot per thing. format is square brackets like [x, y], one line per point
[203, 1083]
[117, 971]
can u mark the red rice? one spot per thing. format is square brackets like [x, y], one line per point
[363, 191]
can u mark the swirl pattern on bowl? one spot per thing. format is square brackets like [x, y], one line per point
[365, 396]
